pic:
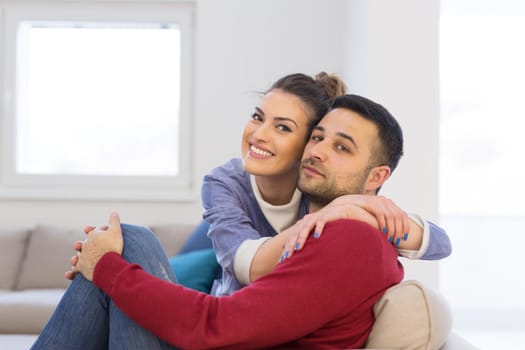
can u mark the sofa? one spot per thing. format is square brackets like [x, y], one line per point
[33, 261]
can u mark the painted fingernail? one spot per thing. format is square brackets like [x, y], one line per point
[297, 245]
[281, 259]
[286, 255]
[398, 240]
[390, 239]
[405, 236]
[384, 230]
[316, 235]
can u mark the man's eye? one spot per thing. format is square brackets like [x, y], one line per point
[342, 148]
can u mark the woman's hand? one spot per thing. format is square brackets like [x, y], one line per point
[392, 220]
[377, 211]
[99, 241]
[298, 233]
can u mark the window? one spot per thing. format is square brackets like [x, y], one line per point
[482, 172]
[97, 101]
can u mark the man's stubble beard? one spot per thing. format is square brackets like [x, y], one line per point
[326, 191]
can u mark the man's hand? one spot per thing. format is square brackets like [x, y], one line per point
[77, 246]
[99, 241]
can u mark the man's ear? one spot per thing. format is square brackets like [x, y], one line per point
[376, 178]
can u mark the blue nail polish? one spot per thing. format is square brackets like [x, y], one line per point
[281, 259]
[405, 237]
[297, 245]
[384, 230]
[316, 235]
[398, 240]
[286, 255]
[390, 239]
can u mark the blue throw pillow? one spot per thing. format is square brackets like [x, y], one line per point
[198, 239]
[196, 270]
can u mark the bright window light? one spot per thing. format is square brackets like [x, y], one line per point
[97, 99]
[482, 173]
[482, 75]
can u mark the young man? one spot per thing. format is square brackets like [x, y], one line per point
[310, 301]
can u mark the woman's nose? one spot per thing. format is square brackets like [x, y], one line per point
[262, 133]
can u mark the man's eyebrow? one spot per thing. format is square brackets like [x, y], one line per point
[340, 134]
[349, 138]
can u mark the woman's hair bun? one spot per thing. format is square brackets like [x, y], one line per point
[332, 84]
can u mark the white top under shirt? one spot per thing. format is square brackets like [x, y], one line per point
[279, 216]
[283, 216]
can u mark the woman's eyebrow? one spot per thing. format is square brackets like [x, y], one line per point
[259, 110]
[286, 119]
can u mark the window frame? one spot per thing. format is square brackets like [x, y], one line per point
[32, 186]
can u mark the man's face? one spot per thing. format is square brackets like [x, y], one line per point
[336, 160]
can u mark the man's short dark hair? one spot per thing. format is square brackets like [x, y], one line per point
[390, 133]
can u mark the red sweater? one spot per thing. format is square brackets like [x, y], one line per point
[320, 298]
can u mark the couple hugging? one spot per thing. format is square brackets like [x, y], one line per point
[305, 244]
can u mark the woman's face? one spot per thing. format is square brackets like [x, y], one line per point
[273, 140]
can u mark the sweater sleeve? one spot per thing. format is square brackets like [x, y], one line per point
[435, 244]
[225, 202]
[304, 301]
[439, 246]
[244, 257]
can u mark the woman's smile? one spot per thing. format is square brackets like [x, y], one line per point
[259, 152]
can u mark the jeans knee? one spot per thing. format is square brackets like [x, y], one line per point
[142, 247]
[139, 237]
[133, 231]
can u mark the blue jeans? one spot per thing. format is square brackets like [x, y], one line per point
[86, 318]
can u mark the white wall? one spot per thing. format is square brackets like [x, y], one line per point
[387, 50]
[393, 58]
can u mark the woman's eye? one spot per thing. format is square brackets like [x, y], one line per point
[257, 117]
[316, 138]
[284, 128]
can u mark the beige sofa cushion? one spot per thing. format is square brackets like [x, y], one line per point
[27, 311]
[410, 316]
[172, 236]
[50, 249]
[48, 256]
[12, 247]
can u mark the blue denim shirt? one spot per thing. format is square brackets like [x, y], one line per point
[234, 216]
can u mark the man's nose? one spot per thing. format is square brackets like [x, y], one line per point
[318, 151]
